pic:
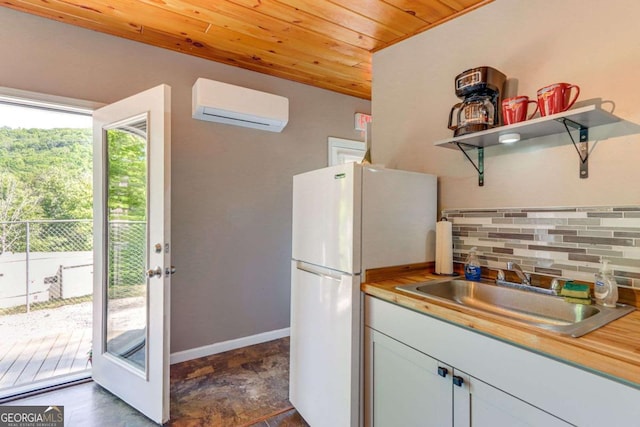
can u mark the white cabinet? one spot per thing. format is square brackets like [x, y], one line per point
[405, 387]
[504, 385]
[491, 407]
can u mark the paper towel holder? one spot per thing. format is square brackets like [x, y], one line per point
[436, 272]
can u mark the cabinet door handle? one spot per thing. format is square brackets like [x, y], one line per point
[457, 380]
[442, 371]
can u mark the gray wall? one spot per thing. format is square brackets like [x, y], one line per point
[231, 195]
[535, 43]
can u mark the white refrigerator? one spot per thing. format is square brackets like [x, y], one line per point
[346, 219]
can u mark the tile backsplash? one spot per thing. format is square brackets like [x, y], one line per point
[566, 242]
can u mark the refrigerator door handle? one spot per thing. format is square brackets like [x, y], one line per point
[322, 272]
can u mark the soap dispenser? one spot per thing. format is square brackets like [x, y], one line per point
[472, 270]
[606, 288]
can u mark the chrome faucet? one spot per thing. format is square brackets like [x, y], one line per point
[524, 277]
[555, 283]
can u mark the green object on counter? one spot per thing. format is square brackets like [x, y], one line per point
[575, 290]
[573, 300]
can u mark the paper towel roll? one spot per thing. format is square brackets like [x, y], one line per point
[444, 248]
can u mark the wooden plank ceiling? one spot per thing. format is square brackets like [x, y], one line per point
[327, 44]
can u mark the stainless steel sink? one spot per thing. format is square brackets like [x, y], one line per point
[543, 311]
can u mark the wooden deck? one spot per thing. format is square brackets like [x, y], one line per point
[40, 358]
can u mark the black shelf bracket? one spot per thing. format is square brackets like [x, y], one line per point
[582, 146]
[480, 166]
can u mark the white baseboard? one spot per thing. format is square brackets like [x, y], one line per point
[220, 347]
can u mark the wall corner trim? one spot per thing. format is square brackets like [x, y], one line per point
[220, 347]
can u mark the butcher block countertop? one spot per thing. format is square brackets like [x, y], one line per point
[612, 350]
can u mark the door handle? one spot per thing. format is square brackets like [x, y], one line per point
[319, 272]
[151, 273]
[170, 270]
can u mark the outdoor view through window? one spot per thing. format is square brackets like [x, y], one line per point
[46, 246]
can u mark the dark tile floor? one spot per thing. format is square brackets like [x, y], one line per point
[243, 387]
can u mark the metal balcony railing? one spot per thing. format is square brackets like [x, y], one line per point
[42, 261]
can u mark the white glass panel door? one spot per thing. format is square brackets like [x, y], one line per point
[132, 250]
[126, 195]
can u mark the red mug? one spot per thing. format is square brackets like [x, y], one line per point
[514, 110]
[556, 98]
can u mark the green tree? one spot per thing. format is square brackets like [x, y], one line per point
[127, 205]
[16, 202]
[52, 165]
[127, 176]
[66, 194]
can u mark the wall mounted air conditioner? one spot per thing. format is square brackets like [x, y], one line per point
[235, 105]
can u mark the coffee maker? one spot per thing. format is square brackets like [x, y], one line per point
[481, 92]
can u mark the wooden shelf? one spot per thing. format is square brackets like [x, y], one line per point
[587, 117]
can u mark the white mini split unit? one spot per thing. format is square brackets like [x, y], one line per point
[235, 105]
